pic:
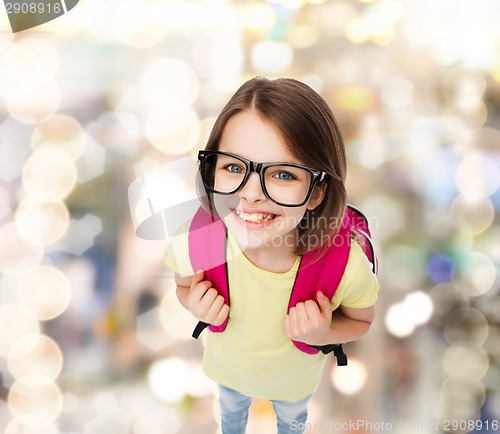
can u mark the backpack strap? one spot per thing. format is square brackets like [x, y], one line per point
[323, 274]
[207, 251]
[359, 224]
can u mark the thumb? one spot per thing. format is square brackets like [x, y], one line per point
[323, 302]
[198, 276]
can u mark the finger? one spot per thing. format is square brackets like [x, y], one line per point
[197, 278]
[199, 290]
[211, 311]
[302, 316]
[222, 315]
[303, 322]
[208, 300]
[312, 309]
[203, 309]
[323, 303]
[216, 305]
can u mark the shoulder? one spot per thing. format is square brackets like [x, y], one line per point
[177, 251]
[358, 261]
[359, 286]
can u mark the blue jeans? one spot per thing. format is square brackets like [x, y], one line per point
[234, 412]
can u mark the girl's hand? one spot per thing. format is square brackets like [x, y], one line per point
[310, 321]
[204, 302]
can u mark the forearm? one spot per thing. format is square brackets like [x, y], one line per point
[343, 329]
[182, 293]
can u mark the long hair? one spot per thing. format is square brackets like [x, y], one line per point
[310, 133]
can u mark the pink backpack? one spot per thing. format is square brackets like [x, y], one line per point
[207, 251]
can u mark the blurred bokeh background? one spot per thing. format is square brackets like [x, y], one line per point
[117, 93]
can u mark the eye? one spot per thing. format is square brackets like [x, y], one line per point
[234, 168]
[284, 176]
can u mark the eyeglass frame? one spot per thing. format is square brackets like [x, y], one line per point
[259, 168]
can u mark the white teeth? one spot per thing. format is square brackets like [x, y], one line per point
[254, 217]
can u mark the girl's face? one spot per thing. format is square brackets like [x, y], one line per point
[252, 218]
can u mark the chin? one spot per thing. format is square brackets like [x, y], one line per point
[271, 235]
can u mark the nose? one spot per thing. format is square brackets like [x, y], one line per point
[252, 189]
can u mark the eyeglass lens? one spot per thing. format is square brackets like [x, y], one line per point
[284, 184]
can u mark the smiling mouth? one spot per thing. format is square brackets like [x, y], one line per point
[255, 217]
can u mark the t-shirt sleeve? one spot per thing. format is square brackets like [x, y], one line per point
[359, 286]
[176, 254]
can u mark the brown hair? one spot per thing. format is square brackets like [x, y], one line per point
[310, 133]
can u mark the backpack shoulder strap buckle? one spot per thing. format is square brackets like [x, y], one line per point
[337, 351]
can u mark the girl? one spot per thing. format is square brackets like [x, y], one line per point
[274, 168]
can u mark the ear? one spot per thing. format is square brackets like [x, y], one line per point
[317, 196]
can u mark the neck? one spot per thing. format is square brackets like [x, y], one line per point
[277, 258]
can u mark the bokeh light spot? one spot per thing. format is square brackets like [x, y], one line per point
[449, 235]
[354, 99]
[61, 132]
[478, 213]
[35, 104]
[22, 425]
[35, 353]
[170, 81]
[173, 130]
[259, 16]
[16, 255]
[45, 291]
[47, 56]
[271, 57]
[137, 24]
[349, 379]
[41, 223]
[49, 175]
[35, 405]
[466, 325]
[466, 363]
[421, 307]
[402, 318]
[155, 420]
[439, 269]
[397, 92]
[20, 323]
[477, 271]
[25, 65]
[168, 379]
[477, 177]
[463, 86]
[303, 36]
[460, 401]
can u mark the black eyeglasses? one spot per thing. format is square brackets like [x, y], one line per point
[286, 184]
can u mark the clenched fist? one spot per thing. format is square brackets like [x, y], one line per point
[310, 321]
[204, 302]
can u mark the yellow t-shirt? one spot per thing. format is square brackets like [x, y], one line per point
[253, 355]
